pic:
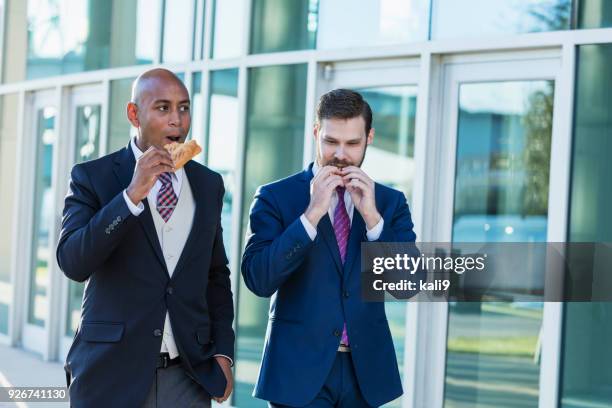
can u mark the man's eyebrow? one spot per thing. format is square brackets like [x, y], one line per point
[332, 138]
[168, 102]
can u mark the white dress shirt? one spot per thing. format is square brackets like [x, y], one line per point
[372, 234]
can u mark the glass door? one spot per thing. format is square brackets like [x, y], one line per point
[390, 87]
[43, 134]
[498, 124]
[84, 135]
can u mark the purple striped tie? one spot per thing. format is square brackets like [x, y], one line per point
[166, 198]
[342, 227]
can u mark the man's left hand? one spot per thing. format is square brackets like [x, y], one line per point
[361, 188]
[227, 370]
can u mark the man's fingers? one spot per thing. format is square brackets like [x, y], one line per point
[324, 173]
[333, 182]
[356, 183]
[161, 168]
[357, 176]
[154, 153]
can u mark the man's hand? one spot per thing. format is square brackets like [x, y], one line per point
[361, 188]
[227, 370]
[150, 165]
[321, 190]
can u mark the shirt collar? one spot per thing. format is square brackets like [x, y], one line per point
[178, 175]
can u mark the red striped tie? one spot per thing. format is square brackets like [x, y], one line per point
[166, 198]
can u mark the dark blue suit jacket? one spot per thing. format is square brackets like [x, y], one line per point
[128, 291]
[313, 294]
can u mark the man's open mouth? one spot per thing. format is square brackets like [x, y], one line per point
[174, 138]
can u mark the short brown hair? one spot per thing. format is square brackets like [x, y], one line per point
[344, 104]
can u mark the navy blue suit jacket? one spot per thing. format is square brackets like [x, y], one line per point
[313, 294]
[128, 291]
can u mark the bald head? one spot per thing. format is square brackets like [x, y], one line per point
[159, 109]
[152, 79]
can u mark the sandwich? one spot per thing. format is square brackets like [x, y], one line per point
[182, 152]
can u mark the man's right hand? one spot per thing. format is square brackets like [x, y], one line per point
[321, 190]
[150, 165]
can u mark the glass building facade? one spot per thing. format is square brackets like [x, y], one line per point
[491, 116]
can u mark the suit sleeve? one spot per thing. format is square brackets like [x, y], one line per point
[400, 227]
[219, 292]
[400, 230]
[90, 232]
[272, 252]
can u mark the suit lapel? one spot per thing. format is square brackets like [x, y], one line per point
[124, 169]
[329, 236]
[203, 206]
[353, 248]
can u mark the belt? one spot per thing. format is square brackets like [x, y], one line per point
[164, 360]
[344, 349]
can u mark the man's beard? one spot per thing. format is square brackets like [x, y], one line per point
[340, 163]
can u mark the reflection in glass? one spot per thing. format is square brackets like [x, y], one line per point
[223, 139]
[274, 149]
[586, 376]
[179, 23]
[390, 161]
[371, 23]
[119, 129]
[43, 217]
[228, 28]
[197, 121]
[67, 36]
[474, 18]
[280, 25]
[87, 148]
[594, 14]
[501, 194]
[8, 163]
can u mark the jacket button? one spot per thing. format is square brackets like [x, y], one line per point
[169, 290]
[157, 332]
[337, 333]
[346, 294]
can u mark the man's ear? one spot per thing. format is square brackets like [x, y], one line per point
[370, 137]
[132, 114]
[315, 130]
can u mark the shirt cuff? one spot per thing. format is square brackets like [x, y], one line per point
[134, 209]
[223, 355]
[310, 230]
[375, 232]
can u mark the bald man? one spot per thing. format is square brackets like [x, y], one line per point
[156, 325]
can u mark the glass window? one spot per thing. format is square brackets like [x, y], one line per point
[280, 25]
[228, 28]
[67, 36]
[87, 148]
[586, 359]
[119, 129]
[197, 128]
[179, 23]
[9, 105]
[390, 161]
[43, 217]
[223, 136]
[594, 14]
[274, 149]
[501, 195]
[475, 18]
[371, 22]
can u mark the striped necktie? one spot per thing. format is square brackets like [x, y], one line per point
[166, 198]
[342, 227]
